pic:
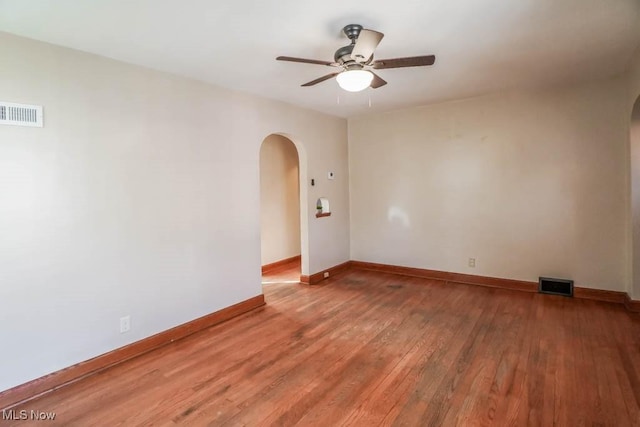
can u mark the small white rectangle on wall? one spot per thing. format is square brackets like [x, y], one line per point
[21, 114]
[330, 175]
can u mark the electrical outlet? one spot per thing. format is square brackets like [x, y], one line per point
[125, 324]
[472, 262]
[326, 274]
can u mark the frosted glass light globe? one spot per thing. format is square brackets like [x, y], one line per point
[354, 80]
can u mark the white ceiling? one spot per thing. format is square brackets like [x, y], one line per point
[480, 46]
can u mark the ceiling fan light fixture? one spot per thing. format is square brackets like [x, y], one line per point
[354, 80]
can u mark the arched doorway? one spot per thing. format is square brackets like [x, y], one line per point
[282, 213]
[635, 198]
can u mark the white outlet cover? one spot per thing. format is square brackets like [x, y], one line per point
[125, 324]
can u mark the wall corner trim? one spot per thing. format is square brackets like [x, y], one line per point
[318, 277]
[631, 304]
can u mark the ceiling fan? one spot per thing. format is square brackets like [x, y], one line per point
[356, 60]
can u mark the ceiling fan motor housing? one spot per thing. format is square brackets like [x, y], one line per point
[343, 55]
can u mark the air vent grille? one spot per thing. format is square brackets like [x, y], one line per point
[548, 285]
[20, 114]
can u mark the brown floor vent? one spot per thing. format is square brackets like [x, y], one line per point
[562, 287]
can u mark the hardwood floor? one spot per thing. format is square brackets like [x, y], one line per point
[367, 348]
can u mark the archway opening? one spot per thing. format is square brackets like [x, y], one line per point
[634, 139]
[280, 210]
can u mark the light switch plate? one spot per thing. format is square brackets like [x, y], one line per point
[330, 175]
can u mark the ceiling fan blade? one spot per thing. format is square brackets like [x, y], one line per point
[377, 81]
[366, 43]
[320, 80]
[307, 61]
[414, 61]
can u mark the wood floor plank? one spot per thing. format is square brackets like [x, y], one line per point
[494, 367]
[382, 396]
[367, 348]
[379, 354]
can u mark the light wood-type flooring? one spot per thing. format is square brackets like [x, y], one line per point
[368, 349]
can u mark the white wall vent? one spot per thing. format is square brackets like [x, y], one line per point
[20, 114]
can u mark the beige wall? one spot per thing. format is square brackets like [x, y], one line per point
[279, 199]
[528, 183]
[141, 197]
